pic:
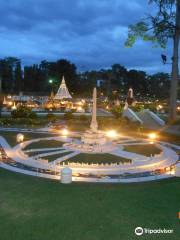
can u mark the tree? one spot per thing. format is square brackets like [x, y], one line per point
[68, 69]
[137, 80]
[158, 85]
[10, 73]
[158, 29]
[18, 77]
[119, 76]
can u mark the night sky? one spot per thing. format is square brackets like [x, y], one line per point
[90, 33]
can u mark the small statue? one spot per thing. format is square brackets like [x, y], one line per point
[130, 101]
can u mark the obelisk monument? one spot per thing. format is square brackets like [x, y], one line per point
[94, 125]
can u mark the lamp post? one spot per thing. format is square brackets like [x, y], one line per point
[51, 83]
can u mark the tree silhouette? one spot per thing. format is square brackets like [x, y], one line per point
[164, 25]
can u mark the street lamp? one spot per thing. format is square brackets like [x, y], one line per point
[51, 83]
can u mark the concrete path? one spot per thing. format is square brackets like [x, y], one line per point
[128, 155]
[61, 159]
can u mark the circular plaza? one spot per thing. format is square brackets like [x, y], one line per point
[119, 159]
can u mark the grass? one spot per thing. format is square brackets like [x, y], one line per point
[11, 136]
[23, 122]
[97, 158]
[33, 209]
[172, 138]
[45, 144]
[55, 156]
[146, 150]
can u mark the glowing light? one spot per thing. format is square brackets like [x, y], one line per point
[80, 103]
[159, 107]
[14, 107]
[20, 137]
[10, 103]
[50, 81]
[64, 132]
[178, 108]
[152, 136]
[79, 109]
[111, 134]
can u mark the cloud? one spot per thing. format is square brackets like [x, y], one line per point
[89, 33]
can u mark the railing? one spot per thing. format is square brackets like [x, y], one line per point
[76, 164]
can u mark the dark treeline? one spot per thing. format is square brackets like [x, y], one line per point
[35, 79]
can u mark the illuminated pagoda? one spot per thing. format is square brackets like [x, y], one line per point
[63, 92]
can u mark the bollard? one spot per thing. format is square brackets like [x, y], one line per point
[66, 175]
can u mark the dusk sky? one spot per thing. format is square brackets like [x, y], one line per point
[89, 33]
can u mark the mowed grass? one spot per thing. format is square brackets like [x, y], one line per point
[11, 136]
[146, 150]
[35, 209]
[44, 144]
[55, 156]
[97, 158]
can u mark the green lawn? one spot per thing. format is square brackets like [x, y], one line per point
[55, 156]
[146, 150]
[35, 209]
[97, 158]
[45, 144]
[11, 136]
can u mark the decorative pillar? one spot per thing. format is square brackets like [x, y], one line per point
[94, 125]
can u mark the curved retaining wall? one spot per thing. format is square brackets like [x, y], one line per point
[81, 179]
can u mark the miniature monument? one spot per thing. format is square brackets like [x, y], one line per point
[63, 92]
[93, 140]
[94, 136]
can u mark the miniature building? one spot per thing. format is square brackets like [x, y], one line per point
[63, 92]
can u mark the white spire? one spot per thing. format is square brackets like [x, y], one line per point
[62, 91]
[4, 101]
[94, 125]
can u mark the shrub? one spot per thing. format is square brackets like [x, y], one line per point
[51, 117]
[83, 118]
[117, 111]
[152, 107]
[33, 115]
[137, 107]
[21, 112]
[68, 116]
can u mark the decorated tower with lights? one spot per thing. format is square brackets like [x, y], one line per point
[63, 92]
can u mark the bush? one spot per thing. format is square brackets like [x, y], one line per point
[51, 117]
[68, 116]
[33, 115]
[22, 121]
[83, 118]
[152, 107]
[21, 112]
[137, 107]
[117, 111]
